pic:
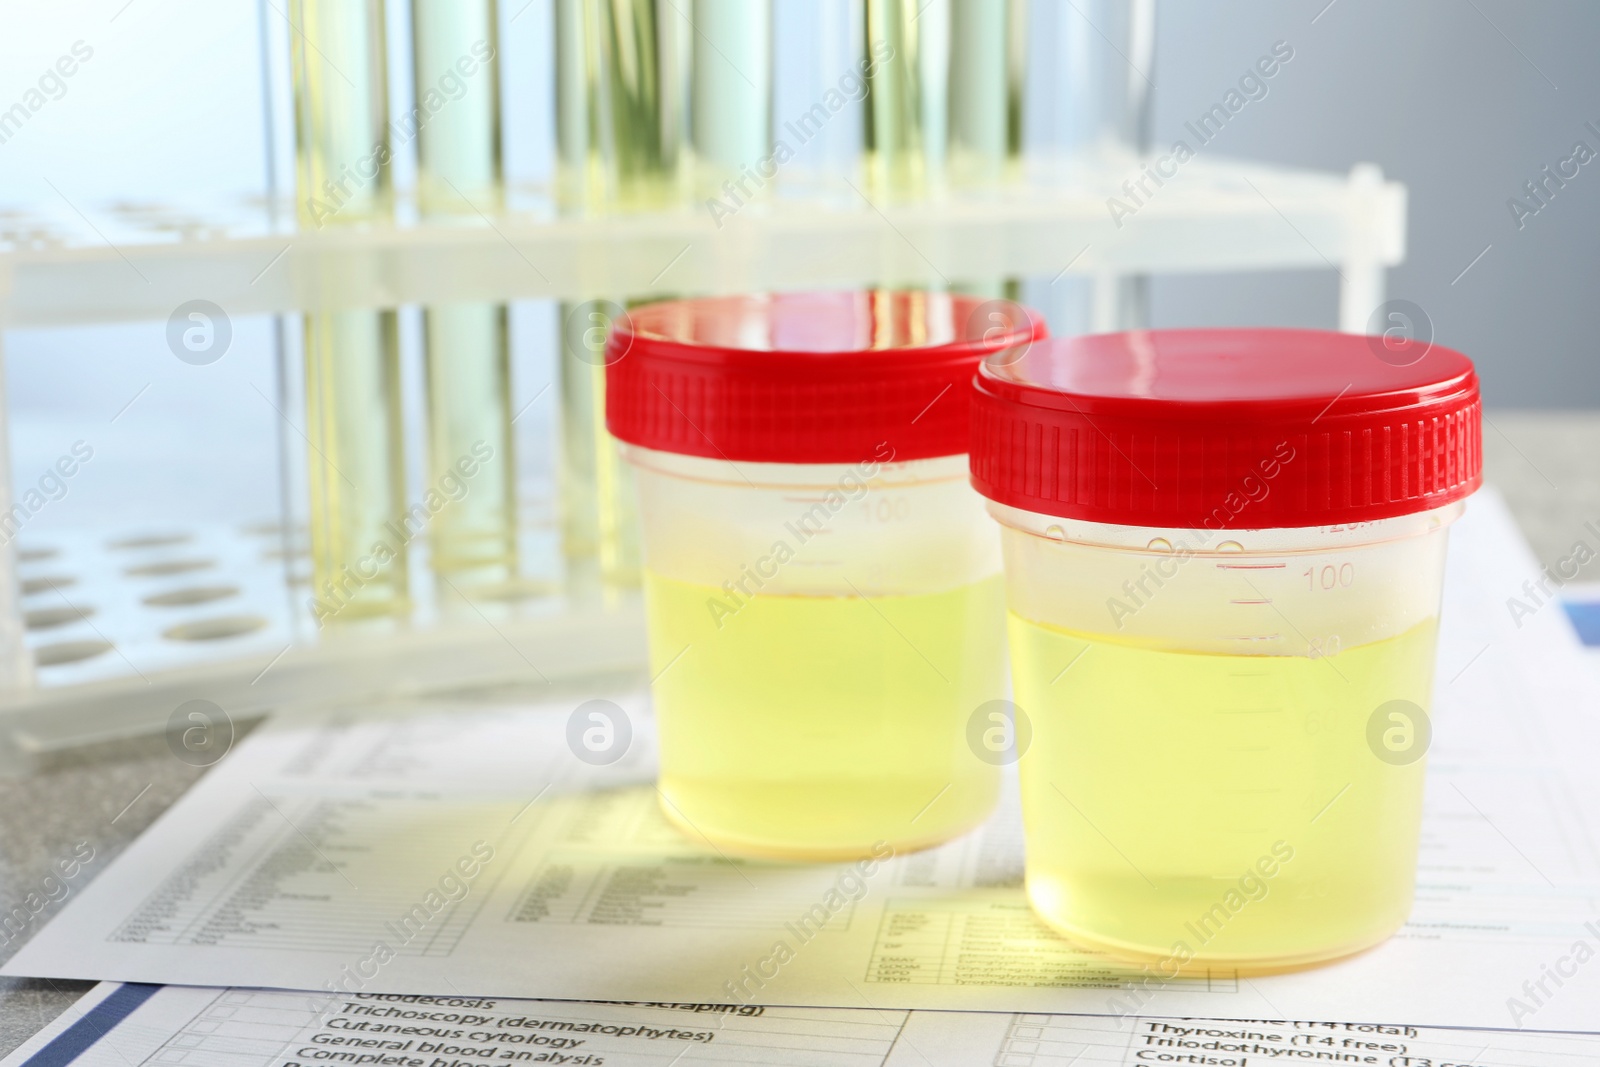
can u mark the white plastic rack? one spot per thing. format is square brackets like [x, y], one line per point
[1215, 215]
[140, 262]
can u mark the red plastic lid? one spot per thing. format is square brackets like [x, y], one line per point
[825, 377]
[1237, 428]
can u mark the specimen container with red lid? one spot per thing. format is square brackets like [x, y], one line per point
[1224, 552]
[822, 586]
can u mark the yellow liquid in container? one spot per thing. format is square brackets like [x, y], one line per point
[812, 727]
[1191, 809]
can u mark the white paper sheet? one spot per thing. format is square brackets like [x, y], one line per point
[323, 855]
[176, 1026]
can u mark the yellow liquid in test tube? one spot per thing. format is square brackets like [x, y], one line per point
[469, 430]
[814, 727]
[467, 344]
[356, 475]
[355, 456]
[896, 119]
[619, 129]
[340, 74]
[598, 514]
[1172, 783]
[640, 88]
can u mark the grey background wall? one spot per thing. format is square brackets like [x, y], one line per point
[1464, 101]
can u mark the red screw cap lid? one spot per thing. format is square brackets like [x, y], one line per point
[825, 377]
[1248, 429]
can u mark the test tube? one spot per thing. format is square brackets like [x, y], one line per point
[580, 178]
[466, 344]
[468, 364]
[730, 87]
[580, 182]
[455, 61]
[356, 479]
[987, 63]
[1092, 81]
[1088, 104]
[620, 100]
[901, 148]
[818, 65]
[580, 187]
[341, 112]
[355, 456]
[642, 74]
[988, 58]
[944, 99]
[599, 530]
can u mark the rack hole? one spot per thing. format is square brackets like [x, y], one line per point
[158, 540]
[169, 566]
[30, 586]
[63, 652]
[216, 629]
[194, 594]
[50, 618]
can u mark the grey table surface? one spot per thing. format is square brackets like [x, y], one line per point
[106, 795]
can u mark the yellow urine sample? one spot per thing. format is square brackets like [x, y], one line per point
[813, 727]
[1192, 810]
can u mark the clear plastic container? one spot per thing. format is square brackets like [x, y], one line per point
[823, 588]
[1243, 669]
[1229, 714]
[820, 635]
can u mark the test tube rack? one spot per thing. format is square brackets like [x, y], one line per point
[58, 269]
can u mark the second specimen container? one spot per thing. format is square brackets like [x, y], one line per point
[822, 586]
